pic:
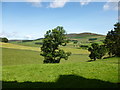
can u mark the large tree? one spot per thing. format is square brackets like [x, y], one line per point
[50, 48]
[112, 41]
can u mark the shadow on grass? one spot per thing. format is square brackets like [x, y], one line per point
[64, 81]
[90, 60]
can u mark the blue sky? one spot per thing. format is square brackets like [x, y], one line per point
[23, 20]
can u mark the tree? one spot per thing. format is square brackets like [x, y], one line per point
[75, 42]
[50, 48]
[92, 39]
[97, 51]
[4, 40]
[94, 51]
[112, 41]
[102, 51]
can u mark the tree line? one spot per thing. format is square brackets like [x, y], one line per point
[111, 45]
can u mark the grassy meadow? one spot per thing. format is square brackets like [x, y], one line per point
[23, 67]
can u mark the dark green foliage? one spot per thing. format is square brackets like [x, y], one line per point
[50, 48]
[38, 43]
[27, 40]
[4, 40]
[102, 51]
[84, 46]
[97, 51]
[112, 41]
[92, 39]
[75, 41]
[94, 51]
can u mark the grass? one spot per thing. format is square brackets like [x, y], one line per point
[30, 43]
[15, 46]
[19, 56]
[49, 72]
[25, 68]
[93, 72]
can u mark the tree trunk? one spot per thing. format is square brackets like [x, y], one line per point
[94, 58]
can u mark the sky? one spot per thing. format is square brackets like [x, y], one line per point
[31, 20]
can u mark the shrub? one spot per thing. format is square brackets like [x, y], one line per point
[84, 46]
[4, 40]
[92, 39]
[97, 51]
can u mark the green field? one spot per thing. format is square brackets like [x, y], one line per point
[82, 39]
[24, 68]
[31, 43]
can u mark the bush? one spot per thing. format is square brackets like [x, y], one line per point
[4, 40]
[92, 39]
[27, 40]
[97, 51]
[84, 46]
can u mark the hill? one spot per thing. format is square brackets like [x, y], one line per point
[82, 38]
[84, 35]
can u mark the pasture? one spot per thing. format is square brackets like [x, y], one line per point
[24, 68]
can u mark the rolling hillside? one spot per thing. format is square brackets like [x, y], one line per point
[23, 67]
[83, 38]
[84, 35]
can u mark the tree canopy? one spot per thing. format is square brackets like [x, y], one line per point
[112, 40]
[97, 51]
[50, 48]
[4, 40]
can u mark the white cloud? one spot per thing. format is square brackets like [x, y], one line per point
[85, 2]
[58, 3]
[36, 3]
[111, 5]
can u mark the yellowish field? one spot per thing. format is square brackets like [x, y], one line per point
[14, 46]
[66, 48]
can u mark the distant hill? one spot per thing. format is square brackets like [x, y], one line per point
[71, 35]
[83, 35]
[82, 38]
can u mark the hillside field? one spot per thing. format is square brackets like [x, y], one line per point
[82, 38]
[24, 68]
